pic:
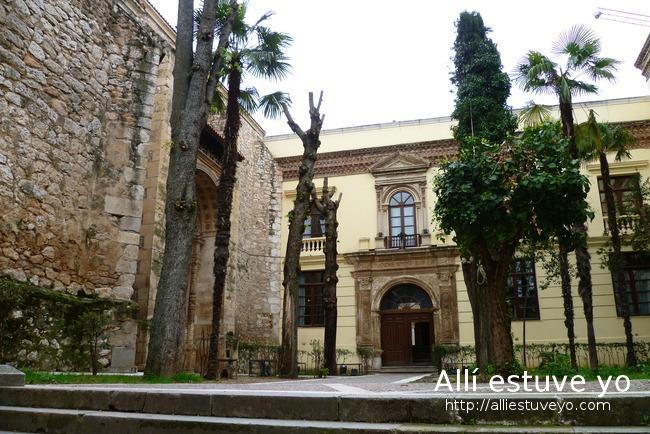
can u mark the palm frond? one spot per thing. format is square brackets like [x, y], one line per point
[536, 72]
[218, 102]
[589, 137]
[249, 99]
[601, 67]
[269, 40]
[578, 87]
[272, 103]
[264, 64]
[533, 114]
[617, 139]
[573, 40]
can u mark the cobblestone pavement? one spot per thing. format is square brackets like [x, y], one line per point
[375, 384]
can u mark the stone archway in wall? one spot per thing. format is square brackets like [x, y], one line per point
[407, 325]
[201, 278]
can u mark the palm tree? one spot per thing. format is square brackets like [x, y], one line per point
[579, 49]
[595, 140]
[258, 50]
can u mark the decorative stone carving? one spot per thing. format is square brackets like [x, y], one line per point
[430, 268]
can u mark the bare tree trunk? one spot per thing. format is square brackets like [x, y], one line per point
[583, 259]
[477, 298]
[224, 210]
[310, 142]
[567, 298]
[328, 209]
[166, 339]
[616, 260]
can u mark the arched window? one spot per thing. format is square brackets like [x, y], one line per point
[401, 211]
[407, 296]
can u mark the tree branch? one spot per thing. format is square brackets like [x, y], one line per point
[292, 124]
[224, 38]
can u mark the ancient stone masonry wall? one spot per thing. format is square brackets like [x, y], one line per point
[76, 83]
[253, 300]
[255, 277]
[77, 80]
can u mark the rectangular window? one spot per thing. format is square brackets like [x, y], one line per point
[523, 289]
[624, 187]
[636, 269]
[310, 299]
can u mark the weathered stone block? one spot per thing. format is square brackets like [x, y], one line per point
[10, 376]
[122, 207]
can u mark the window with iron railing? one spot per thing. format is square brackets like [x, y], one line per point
[636, 271]
[522, 285]
[624, 188]
[403, 231]
[314, 224]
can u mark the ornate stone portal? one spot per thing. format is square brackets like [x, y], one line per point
[377, 272]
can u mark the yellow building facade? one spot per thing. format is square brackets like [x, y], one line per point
[400, 287]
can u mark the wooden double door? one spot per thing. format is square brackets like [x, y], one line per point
[406, 337]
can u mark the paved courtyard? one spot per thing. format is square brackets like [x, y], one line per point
[379, 385]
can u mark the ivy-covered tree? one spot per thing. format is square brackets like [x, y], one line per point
[482, 88]
[494, 198]
[482, 113]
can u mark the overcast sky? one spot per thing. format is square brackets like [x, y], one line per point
[382, 61]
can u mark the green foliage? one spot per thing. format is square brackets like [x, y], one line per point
[441, 351]
[482, 88]
[256, 49]
[342, 354]
[511, 192]
[45, 329]
[37, 377]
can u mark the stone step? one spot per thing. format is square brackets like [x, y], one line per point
[406, 370]
[629, 409]
[56, 421]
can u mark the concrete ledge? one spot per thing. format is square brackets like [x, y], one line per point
[623, 409]
[10, 376]
[83, 422]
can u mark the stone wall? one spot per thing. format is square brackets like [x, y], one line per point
[77, 80]
[253, 281]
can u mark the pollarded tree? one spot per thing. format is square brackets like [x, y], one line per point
[260, 51]
[593, 141]
[579, 48]
[482, 113]
[495, 198]
[196, 75]
[328, 209]
[311, 142]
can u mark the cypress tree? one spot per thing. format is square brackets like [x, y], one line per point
[482, 87]
[482, 114]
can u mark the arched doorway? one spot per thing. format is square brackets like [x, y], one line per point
[406, 326]
[201, 278]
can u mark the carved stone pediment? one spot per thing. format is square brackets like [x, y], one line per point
[399, 163]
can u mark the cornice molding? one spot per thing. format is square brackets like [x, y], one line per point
[359, 161]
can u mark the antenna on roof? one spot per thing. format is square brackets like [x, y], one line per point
[624, 17]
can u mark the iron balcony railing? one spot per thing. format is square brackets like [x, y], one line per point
[402, 241]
